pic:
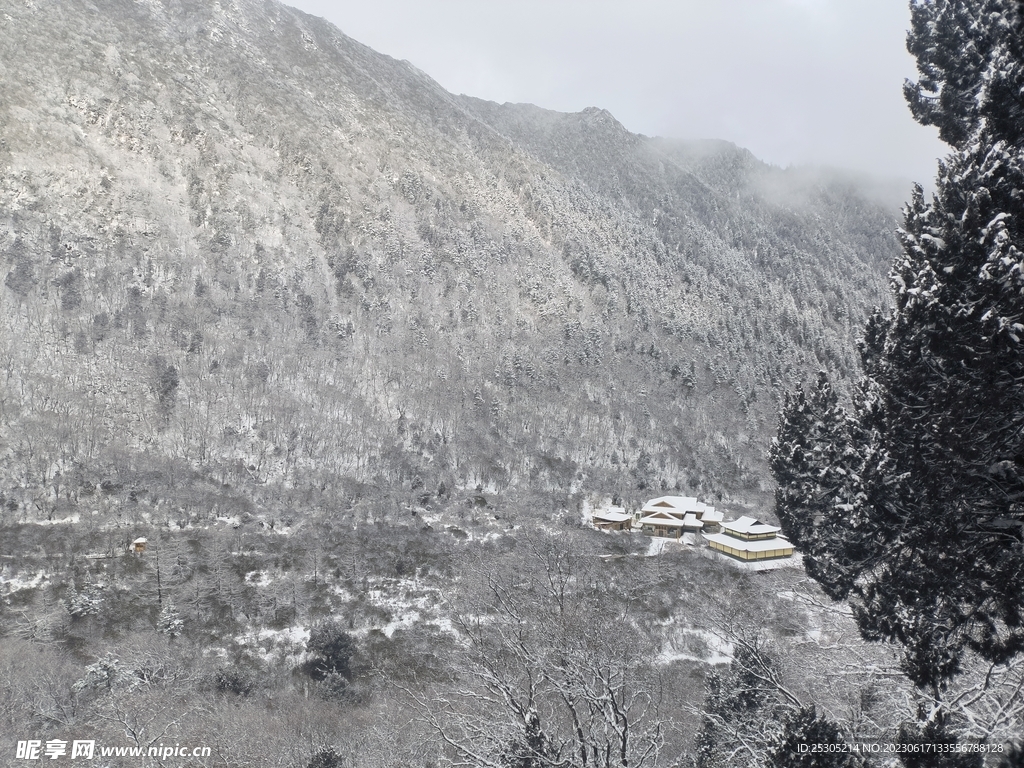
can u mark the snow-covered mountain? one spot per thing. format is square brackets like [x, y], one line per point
[240, 247]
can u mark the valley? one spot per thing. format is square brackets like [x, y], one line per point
[311, 373]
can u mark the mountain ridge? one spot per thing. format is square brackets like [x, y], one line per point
[238, 242]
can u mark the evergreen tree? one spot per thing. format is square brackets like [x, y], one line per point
[930, 547]
[816, 471]
[933, 733]
[953, 43]
[531, 749]
[1013, 757]
[331, 649]
[790, 458]
[326, 758]
[804, 728]
[169, 621]
[738, 712]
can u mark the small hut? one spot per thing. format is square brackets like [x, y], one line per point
[612, 519]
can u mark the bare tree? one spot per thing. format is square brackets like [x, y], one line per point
[554, 672]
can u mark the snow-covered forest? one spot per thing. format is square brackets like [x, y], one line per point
[353, 355]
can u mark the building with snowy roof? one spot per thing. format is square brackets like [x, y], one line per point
[662, 523]
[678, 504]
[612, 519]
[694, 515]
[710, 518]
[750, 539]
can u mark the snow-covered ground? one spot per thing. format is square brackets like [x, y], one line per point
[409, 602]
[405, 602]
[277, 644]
[659, 545]
[75, 518]
[9, 584]
[259, 578]
[690, 644]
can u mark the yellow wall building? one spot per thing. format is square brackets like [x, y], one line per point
[750, 539]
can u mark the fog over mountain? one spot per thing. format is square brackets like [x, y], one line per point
[241, 248]
[797, 82]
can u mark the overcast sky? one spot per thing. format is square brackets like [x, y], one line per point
[794, 81]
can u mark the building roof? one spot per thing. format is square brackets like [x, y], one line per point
[140, 540]
[681, 503]
[613, 515]
[690, 520]
[757, 545]
[665, 520]
[750, 526]
[711, 515]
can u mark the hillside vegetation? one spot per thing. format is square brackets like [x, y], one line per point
[241, 248]
[310, 372]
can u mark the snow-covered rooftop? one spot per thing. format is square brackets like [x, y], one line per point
[750, 526]
[613, 515]
[758, 545]
[664, 520]
[681, 503]
[711, 515]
